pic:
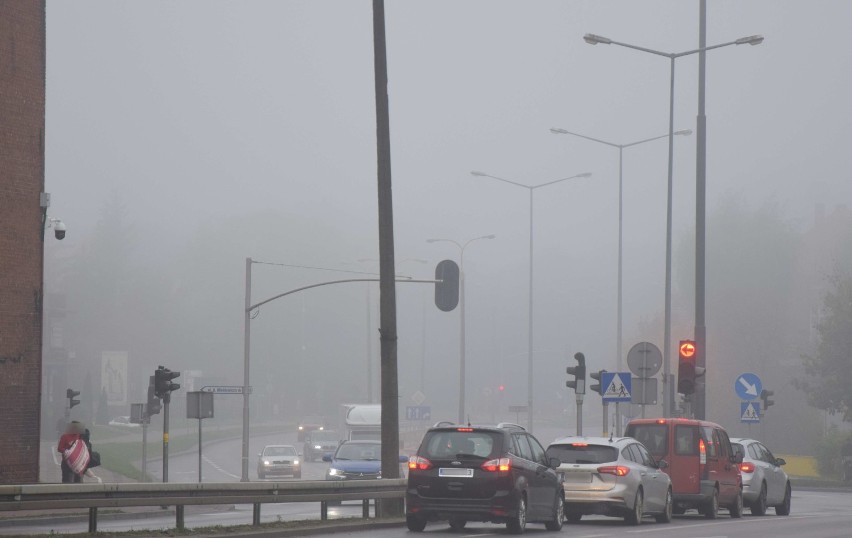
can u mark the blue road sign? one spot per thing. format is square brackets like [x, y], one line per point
[748, 386]
[749, 411]
[617, 386]
[418, 412]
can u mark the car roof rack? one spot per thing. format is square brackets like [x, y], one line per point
[443, 424]
[511, 426]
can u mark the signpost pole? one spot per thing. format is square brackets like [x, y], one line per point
[199, 450]
[579, 414]
[146, 419]
[605, 419]
[166, 399]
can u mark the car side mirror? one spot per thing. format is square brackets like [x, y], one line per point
[780, 461]
[326, 457]
[554, 463]
[737, 458]
[662, 464]
[260, 454]
[403, 459]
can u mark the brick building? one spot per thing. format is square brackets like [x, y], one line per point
[22, 95]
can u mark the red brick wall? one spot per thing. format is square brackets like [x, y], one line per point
[22, 84]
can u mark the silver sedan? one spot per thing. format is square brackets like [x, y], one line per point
[613, 477]
[764, 481]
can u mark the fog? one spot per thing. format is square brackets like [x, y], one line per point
[184, 137]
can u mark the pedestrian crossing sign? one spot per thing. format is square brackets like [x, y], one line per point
[618, 385]
[750, 411]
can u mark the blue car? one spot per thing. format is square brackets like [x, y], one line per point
[356, 460]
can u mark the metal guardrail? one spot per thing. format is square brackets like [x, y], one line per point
[94, 496]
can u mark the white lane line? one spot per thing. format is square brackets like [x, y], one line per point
[658, 528]
[216, 466]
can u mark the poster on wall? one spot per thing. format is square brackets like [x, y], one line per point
[114, 376]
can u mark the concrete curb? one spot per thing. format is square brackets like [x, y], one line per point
[321, 528]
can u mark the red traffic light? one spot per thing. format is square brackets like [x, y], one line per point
[501, 388]
[687, 349]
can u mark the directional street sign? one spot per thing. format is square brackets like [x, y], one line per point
[748, 386]
[749, 411]
[518, 408]
[418, 412]
[224, 389]
[617, 386]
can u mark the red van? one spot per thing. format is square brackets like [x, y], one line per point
[702, 465]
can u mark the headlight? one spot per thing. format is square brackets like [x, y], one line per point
[335, 472]
[266, 462]
[301, 427]
[295, 462]
[317, 447]
[321, 427]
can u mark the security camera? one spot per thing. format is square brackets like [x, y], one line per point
[59, 229]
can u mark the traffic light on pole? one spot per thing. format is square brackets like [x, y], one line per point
[154, 405]
[163, 381]
[686, 369]
[71, 394]
[447, 285]
[764, 395]
[579, 373]
[597, 377]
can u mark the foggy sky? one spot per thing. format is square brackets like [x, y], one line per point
[203, 115]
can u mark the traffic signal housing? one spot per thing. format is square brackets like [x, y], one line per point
[154, 405]
[447, 285]
[764, 395]
[687, 371]
[71, 394]
[579, 373]
[598, 387]
[163, 382]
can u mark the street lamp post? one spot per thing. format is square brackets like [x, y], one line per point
[620, 147]
[593, 39]
[530, 188]
[462, 336]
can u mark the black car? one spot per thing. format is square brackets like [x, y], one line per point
[498, 474]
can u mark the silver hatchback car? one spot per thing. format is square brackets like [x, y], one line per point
[613, 477]
[764, 481]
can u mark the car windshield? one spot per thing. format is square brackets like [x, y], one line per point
[458, 444]
[279, 451]
[359, 451]
[323, 436]
[583, 453]
[312, 420]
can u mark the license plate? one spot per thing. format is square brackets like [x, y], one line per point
[577, 478]
[455, 473]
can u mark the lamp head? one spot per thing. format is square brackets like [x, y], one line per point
[477, 173]
[585, 174]
[684, 132]
[491, 236]
[593, 39]
[751, 40]
[556, 130]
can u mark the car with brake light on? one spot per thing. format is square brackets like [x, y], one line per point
[319, 443]
[764, 481]
[279, 460]
[307, 424]
[702, 465]
[498, 474]
[615, 477]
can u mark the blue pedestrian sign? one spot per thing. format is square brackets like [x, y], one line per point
[618, 385]
[748, 386]
[418, 412]
[749, 412]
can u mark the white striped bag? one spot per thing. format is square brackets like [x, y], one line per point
[77, 457]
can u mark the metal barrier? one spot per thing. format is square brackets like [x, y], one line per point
[94, 496]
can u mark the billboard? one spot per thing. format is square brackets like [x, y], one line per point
[114, 376]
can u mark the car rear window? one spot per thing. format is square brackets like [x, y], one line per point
[580, 453]
[655, 437]
[686, 440]
[456, 444]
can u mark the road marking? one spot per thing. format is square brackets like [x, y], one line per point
[221, 470]
[657, 528]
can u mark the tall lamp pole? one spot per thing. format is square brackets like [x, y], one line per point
[531, 189]
[620, 147]
[593, 39]
[462, 336]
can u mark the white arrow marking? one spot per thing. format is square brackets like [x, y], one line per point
[750, 389]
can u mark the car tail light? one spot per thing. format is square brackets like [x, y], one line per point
[661, 421]
[464, 429]
[747, 467]
[502, 465]
[418, 463]
[579, 444]
[617, 470]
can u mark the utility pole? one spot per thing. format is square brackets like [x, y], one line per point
[387, 284]
[700, 335]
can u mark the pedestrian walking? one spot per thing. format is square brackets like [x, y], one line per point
[66, 441]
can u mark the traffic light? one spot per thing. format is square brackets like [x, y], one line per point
[70, 394]
[163, 382]
[597, 377]
[447, 285]
[686, 369]
[154, 405]
[764, 395]
[579, 373]
[501, 388]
